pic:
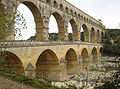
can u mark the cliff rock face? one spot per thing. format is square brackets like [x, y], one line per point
[6, 83]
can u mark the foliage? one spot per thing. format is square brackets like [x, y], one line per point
[24, 79]
[8, 21]
[114, 83]
[53, 37]
[101, 25]
[111, 42]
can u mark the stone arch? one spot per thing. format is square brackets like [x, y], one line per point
[67, 11]
[76, 14]
[92, 34]
[85, 36]
[60, 23]
[70, 57]
[71, 12]
[14, 62]
[82, 17]
[98, 36]
[79, 16]
[38, 19]
[47, 62]
[55, 4]
[101, 51]
[84, 55]
[74, 30]
[94, 54]
[85, 19]
[48, 1]
[1, 7]
[102, 34]
[61, 7]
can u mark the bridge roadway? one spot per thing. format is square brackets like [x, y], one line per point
[52, 59]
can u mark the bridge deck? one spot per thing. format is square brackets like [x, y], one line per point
[42, 43]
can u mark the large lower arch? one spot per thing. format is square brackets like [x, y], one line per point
[84, 55]
[61, 30]
[71, 58]
[47, 63]
[94, 54]
[74, 30]
[13, 62]
[92, 35]
[38, 19]
[86, 33]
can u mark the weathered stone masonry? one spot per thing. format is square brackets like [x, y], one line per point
[54, 60]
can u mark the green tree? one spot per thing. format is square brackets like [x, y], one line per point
[111, 42]
[101, 25]
[7, 24]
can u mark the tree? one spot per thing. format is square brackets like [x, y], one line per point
[101, 25]
[8, 21]
[111, 42]
[7, 24]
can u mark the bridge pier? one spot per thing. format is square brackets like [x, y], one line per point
[73, 67]
[52, 71]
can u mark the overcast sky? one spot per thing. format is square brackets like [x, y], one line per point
[106, 10]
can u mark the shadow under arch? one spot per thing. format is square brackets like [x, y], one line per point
[92, 34]
[94, 54]
[37, 18]
[85, 58]
[85, 34]
[47, 64]
[101, 51]
[74, 30]
[71, 58]
[13, 62]
[60, 24]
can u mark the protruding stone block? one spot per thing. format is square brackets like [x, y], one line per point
[30, 71]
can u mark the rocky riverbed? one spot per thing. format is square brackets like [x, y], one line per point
[90, 76]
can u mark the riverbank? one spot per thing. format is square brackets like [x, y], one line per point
[90, 76]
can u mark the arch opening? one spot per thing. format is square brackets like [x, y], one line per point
[71, 58]
[67, 11]
[46, 63]
[84, 33]
[13, 62]
[101, 51]
[84, 55]
[92, 35]
[48, 1]
[34, 21]
[61, 7]
[74, 30]
[57, 29]
[94, 54]
[98, 36]
[102, 34]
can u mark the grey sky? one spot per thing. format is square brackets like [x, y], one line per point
[107, 10]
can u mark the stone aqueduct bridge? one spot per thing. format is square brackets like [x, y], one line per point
[54, 59]
[63, 12]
